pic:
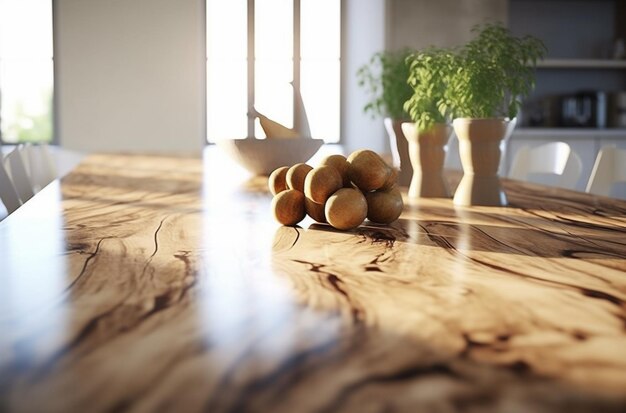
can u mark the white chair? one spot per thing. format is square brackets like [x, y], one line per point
[609, 168]
[555, 158]
[16, 166]
[40, 165]
[64, 160]
[8, 195]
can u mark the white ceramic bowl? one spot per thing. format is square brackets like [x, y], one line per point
[262, 156]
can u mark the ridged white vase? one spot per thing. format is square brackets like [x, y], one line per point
[427, 151]
[479, 146]
[399, 150]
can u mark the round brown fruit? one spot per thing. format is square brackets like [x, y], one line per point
[288, 207]
[321, 183]
[367, 170]
[391, 180]
[277, 182]
[315, 210]
[341, 165]
[384, 207]
[346, 209]
[296, 176]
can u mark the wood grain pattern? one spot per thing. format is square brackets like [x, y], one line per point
[141, 284]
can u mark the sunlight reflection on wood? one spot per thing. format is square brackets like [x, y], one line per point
[144, 283]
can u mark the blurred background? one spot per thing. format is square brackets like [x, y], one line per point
[171, 75]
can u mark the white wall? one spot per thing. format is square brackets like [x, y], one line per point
[364, 35]
[130, 75]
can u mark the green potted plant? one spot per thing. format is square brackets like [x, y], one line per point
[384, 78]
[494, 71]
[429, 74]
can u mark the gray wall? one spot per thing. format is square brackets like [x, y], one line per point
[445, 23]
[130, 74]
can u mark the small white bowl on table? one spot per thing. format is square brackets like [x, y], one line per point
[262, 156]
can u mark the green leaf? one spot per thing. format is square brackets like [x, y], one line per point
[385, 79]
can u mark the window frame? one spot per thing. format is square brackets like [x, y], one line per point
[296, 66]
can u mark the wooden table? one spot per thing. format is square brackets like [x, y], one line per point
[146, 284]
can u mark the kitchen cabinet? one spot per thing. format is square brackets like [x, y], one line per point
[581, 38]
[585, 41]
[578, 34]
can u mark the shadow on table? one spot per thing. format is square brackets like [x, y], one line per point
[460, 236]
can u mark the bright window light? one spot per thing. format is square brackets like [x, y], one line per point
[273, 68]
[317, 37]
[26, 71]
[320, 40]
[226, 68]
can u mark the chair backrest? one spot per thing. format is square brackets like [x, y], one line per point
[609, 168]
[41, 166]
[556, 158]
[15, 165]
[8, 195]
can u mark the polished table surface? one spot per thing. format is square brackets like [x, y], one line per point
[146, 283]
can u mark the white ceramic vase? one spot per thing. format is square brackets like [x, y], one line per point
[480, 149]
[427, 151]
[399, 150]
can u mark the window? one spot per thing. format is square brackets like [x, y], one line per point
[26, 71]
[256, 50]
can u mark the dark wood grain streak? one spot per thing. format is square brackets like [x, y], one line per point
[154, 283]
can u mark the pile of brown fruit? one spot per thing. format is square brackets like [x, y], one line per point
[341, 192]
